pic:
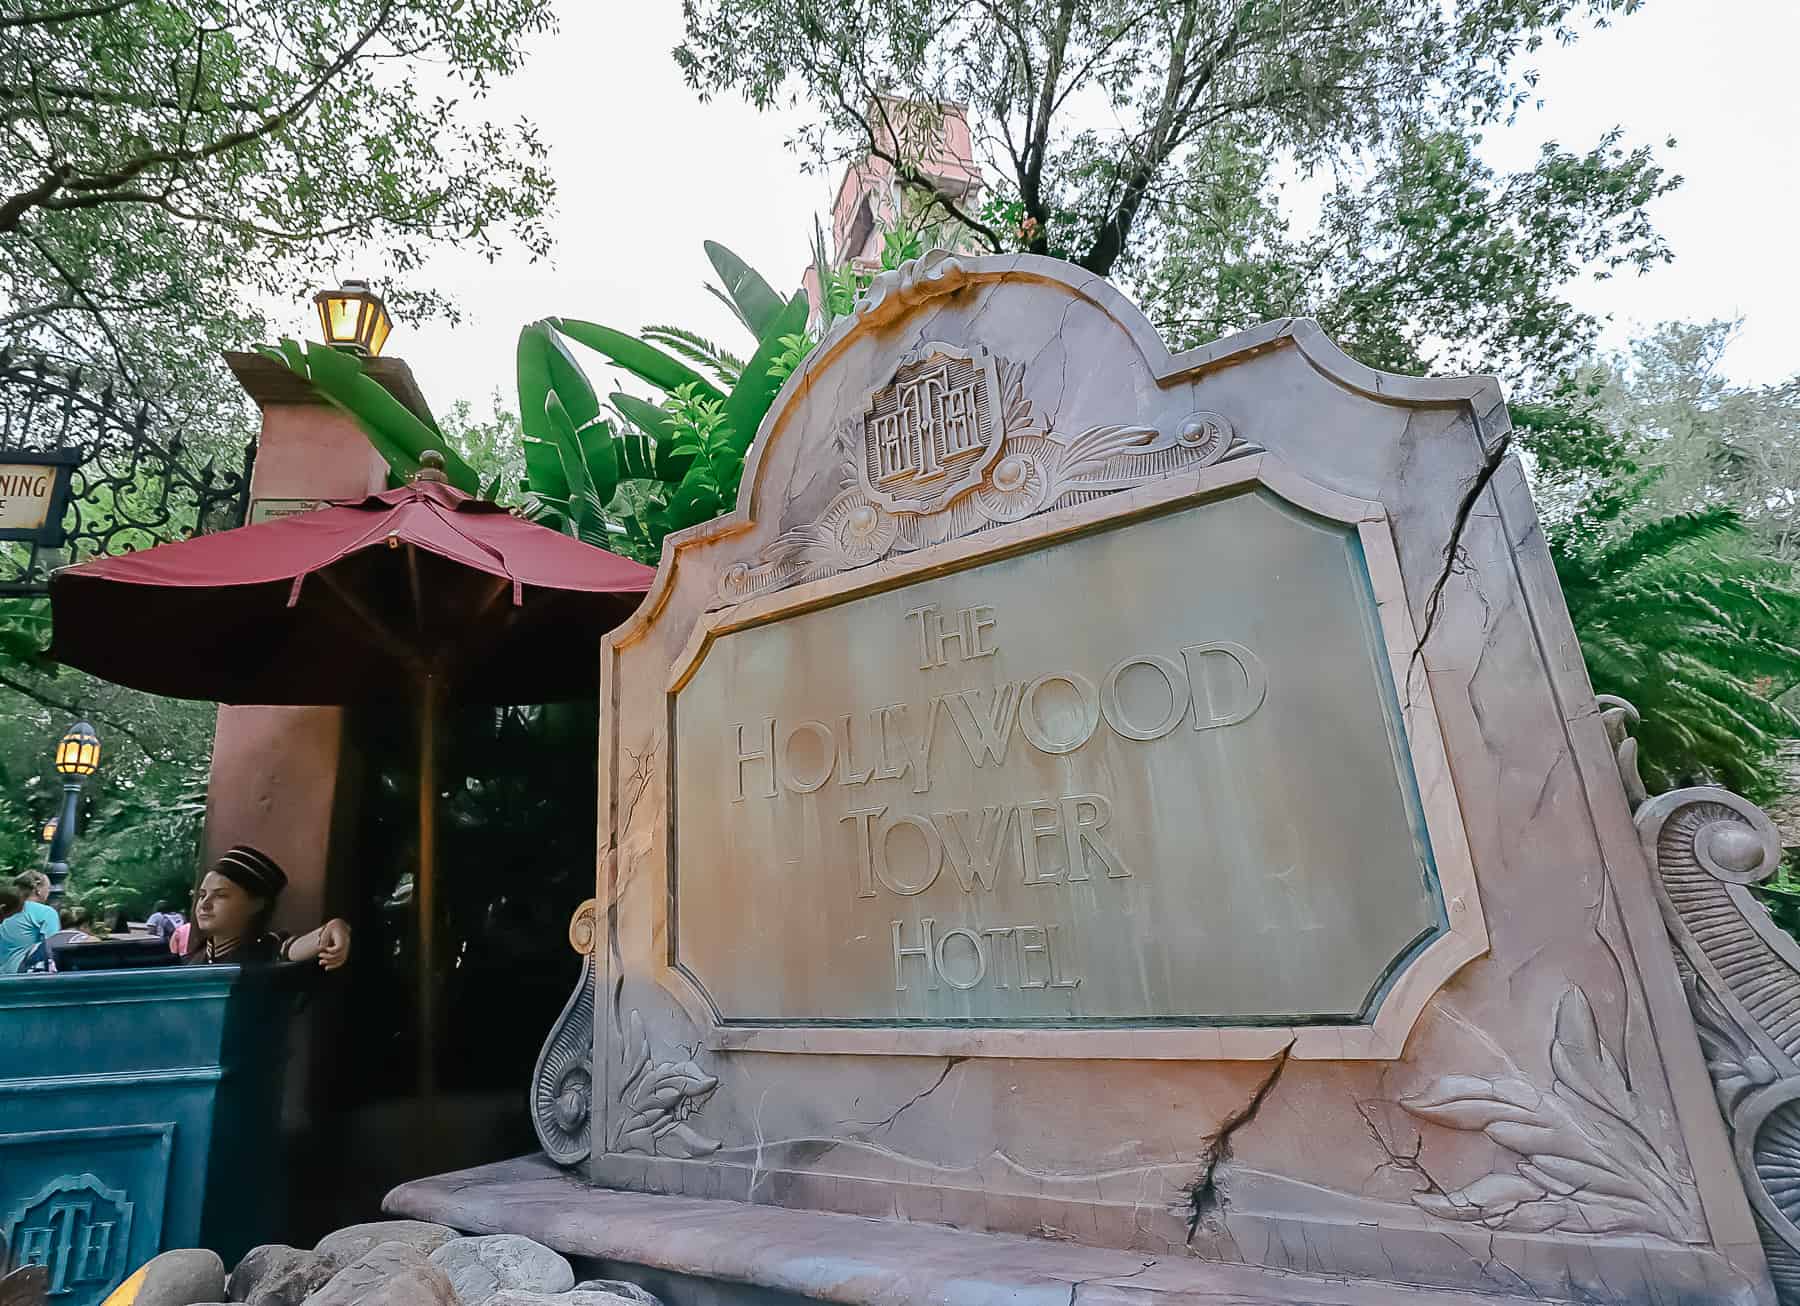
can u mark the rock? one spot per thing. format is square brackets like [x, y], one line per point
[575, 1297]
[357, 1240]
[618, 1288]
[390, 1274]
[480, 1267]
[182, 1278]
[275, 1275]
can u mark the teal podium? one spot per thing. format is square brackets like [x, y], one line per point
[140, 1110]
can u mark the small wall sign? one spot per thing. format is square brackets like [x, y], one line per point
[262, 510]
[34, 494]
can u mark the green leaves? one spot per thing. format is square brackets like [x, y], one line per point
[747, 295]
[546, 367]
[751, 396]
[629, 478]
[397, 433]
[1685, 613]
[644, 361]
[224, 155]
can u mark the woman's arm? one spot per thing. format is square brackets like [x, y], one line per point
[330, 943]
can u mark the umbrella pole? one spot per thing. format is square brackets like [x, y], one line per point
[425, 890]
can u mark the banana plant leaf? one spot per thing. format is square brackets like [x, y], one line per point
[644, 361]
[634, 452]
[395, 431]
[746, 294]
[666, 464]
[586, 480]
[546, 366]
[751, 397]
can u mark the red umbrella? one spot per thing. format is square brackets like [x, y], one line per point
[420, 584]
[424, 587]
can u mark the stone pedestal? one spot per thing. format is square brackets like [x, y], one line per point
[695, 1252]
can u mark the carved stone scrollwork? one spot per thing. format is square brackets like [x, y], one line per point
[1581, 1159]
[951, 446]
[1741, 971]
[562, 1086]
[935, 272]
[658, 1099]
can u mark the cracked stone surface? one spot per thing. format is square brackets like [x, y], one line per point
[842, 1259]
[1450, 1159]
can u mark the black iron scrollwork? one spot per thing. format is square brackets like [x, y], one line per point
[133, 486]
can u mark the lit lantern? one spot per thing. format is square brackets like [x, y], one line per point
[78, 753]
[49, 829]
[354, 318]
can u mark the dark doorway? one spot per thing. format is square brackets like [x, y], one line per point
[515, 857]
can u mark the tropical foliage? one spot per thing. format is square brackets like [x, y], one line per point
[398, 434]
[1688, 619]
[1681, 608]
[618, 471]
[679, 461]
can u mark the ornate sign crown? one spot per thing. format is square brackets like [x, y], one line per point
[932, 432]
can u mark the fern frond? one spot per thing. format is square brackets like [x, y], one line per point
[696, 348]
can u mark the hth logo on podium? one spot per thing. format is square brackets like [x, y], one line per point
[78, 1229]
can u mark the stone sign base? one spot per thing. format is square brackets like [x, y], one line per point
[695, 1252]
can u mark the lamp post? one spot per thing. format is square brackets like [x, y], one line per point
[77, 757]
[353, 318]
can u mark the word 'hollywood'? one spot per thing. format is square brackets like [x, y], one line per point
[773, 757]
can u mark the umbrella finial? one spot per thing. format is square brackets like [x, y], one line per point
[431, 468]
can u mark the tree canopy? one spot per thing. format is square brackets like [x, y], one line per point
[170, 171]
[1428, 260]
[171, 166]
[1092, 113]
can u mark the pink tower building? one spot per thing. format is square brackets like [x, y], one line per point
[872, 200]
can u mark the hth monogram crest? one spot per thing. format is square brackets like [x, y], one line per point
[78, 1230]
[933, 432]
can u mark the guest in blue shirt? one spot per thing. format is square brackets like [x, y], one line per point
[24, 934]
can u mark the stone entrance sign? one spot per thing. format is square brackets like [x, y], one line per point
[1007, 803]
[1139, 800]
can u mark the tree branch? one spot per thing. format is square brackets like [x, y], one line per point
[47, 18]
[74, 710]
[80, 292]
[908, 174]
[14, 208]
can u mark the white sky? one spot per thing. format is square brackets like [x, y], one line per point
[646, 172]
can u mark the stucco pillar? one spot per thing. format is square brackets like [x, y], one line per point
[279, 773]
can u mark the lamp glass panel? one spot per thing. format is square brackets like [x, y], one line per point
[383, 325]
[343, 315]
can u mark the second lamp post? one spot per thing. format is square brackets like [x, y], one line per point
[77, 758]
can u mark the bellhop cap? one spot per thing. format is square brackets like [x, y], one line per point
[252, 870]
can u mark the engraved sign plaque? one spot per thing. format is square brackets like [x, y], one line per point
[1153, 774]
[932, 432]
